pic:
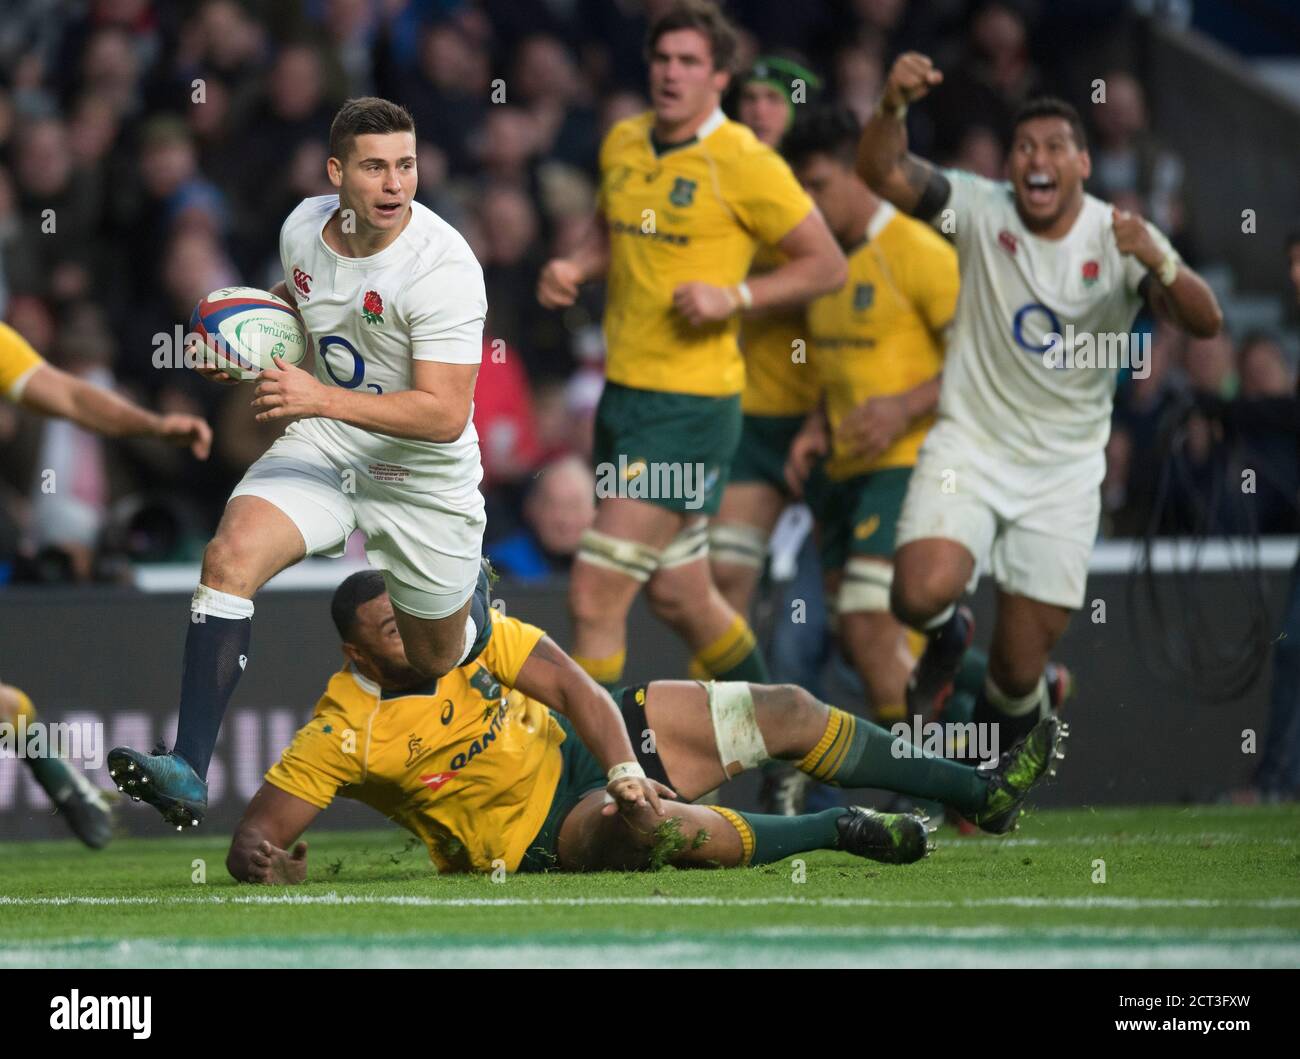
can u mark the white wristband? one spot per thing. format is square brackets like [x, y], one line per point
[897, 111]
[628, 769]
[746, 295]
[1168, 270]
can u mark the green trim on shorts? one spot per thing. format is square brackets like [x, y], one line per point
[580, 774]
[764, 443]
[668, 434]
[858, 516]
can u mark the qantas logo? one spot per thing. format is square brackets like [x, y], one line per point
[436, 779]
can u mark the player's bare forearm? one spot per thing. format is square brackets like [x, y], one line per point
[884, 162]
[557, 286]
[921, 400]
[592, 254]
[815, 266]
[273, 821]
[1188, 303]
[56, 393]
[552, 677]
[411, 414]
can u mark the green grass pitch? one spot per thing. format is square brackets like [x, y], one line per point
[1183, 887]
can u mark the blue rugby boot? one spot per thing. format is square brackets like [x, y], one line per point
[166, 781]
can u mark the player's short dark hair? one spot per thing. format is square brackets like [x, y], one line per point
[829, 130]
[364, 116]
[705, 17]
[356, 589]
[1052, 107]
[1292, 239]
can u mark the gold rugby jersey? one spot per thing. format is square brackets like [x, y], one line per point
[776, 384]
[689, 212]
[879, 334]
[18, 361]
[470, 767]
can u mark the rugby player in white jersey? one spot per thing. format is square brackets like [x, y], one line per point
[380, 439]
[1009, 476]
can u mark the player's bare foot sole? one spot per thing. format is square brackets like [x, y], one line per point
[891, 838]
[165, 781]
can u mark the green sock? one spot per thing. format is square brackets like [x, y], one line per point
[772, 838]
[853, 752]
[51, 773]
[751, 668]
[735, 655]
[974, 667]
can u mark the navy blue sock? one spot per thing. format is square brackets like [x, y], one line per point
[216, 651]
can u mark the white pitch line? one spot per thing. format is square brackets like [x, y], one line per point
[420, 901]
[1218, 838]
[670, 952]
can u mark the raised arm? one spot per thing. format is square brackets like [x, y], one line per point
[1174, 291]
[259, 852]
[884, 162]
[550, 676]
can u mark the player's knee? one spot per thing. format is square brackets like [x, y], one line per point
[229, 566]
[918, 594]
[667, 598]
[786, 713]
[591, 601]
[1016, 673]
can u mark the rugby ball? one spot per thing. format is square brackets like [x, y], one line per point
[243, 328]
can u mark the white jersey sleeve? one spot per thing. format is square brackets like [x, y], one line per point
[446, 308]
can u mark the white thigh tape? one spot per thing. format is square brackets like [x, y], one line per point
[865, 586]
[740, 743]
[689, 546]
[741, 545]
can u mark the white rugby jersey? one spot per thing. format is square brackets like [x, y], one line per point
[1016, 290]
[420, 298]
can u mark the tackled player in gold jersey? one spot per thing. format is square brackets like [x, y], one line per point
[490, 765]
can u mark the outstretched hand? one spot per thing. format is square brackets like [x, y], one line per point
[273, 866]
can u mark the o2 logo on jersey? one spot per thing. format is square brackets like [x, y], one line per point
[358, 366]
[1034, 310]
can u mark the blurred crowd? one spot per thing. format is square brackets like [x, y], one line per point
[149, 152]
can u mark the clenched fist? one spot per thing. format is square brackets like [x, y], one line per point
[557, 287]
[912, 77]
[1132, 237]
